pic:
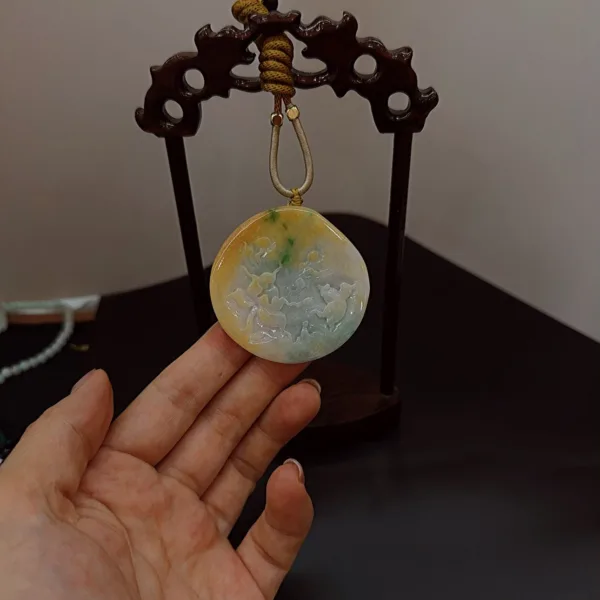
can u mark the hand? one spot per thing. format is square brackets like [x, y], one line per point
[141, 509]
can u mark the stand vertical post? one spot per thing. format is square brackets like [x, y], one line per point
[189, 231]
[395, 256]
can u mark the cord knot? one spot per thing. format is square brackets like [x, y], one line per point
[276, 53]
[296, 199]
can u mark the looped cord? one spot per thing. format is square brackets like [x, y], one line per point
[276, 57]
[295, 194]
[276, 53]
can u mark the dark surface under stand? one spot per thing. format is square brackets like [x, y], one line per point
[490, 488]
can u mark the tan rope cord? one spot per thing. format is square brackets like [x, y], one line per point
[276, 76]
[276, 53]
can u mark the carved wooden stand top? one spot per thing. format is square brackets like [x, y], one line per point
[333, 42]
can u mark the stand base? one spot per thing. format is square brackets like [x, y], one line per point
[348, 395]
[352, 411]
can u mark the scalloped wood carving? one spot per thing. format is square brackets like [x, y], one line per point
[332, 42]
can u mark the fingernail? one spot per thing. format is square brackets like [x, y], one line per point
[293, 461]
[82, 381]
[314, 383]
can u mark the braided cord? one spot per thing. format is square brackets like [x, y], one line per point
[275, 65]
[276, 53]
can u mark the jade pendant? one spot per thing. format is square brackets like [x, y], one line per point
[288, 286]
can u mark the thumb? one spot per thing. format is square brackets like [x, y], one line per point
[55, 450]
[273, 542]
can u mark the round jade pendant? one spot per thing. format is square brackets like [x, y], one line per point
[288, 286]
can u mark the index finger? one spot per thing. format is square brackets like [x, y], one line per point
[159, 417]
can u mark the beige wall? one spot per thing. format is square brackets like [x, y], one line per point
[505, 177]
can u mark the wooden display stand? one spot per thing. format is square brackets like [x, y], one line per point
[349, 396]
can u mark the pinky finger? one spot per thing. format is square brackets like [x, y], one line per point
[272, 544]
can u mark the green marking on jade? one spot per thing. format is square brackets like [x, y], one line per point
[272, 215]
[286, 257]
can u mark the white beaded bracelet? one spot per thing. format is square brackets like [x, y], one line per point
[52, 349]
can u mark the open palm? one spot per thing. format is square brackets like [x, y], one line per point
[141, 509]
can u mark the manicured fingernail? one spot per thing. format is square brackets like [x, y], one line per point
[293, 461]
[82, 381]
[314, 383]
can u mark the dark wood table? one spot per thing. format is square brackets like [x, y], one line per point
[488, 489]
